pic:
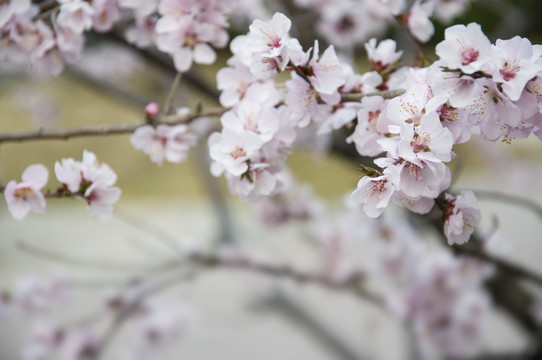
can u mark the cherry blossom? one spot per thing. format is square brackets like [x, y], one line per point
[92, 181]
[75, 15]
[25, 196]
[374, 194]
[418, 21]
[516, 62]
[465, 48]
[383, 55]
[461, 215]
[10, 8]
[164, 142]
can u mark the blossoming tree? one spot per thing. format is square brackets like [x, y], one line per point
[288, 86]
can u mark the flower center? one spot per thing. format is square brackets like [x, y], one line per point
[378, 187]
[469, 56]
[238, 152]
[24, 193]
[448, 113]
[509, 71]
[420, 142]
[373, 117]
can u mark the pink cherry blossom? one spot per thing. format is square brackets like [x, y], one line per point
[383, 55]
[327, 73]
[106, 13]
[461, 216]
[373, 194]
[26, 195]
[516, 62]
[231, 150]
[164, 142]
[465, 48]
[92, 181]
[12, 7]
[75, 15]
[418, 21]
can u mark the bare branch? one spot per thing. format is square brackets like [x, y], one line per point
[172, 92]
[352, 283]
[68, 259]
[388, 94]
[510, 199]
[508, 267]
[102, 130]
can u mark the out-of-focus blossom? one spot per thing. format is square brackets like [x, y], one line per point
[164, 142]
[418, 21]
[461, 216]
[26, 195]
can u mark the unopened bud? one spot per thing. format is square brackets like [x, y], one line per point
[152, 109]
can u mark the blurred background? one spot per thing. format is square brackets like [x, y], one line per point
[237, 315]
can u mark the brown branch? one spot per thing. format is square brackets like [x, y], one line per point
[508, 267]
[102, 130]
[404, 27]
[352, 283]
[388, 94]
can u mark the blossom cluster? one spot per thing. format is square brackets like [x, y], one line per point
[439, 296]
[169, 142]
[42, 38]
[157, 321]
[259, 131]
[89, 180]
[474, 87]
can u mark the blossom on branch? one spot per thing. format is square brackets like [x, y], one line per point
[89, 180]
[26, 195]
[164, 142]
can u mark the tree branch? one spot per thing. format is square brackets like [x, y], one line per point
[103, 130]
[172, 92]
[352, 283]
[388, 94]
[510, 199]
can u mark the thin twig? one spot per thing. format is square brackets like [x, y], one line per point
[172, 92]
[510, 199]
[510, 268]
[351, 283]
[403, 26]
[388, 94]
[142, 224]
[68, 259]
[102, 130]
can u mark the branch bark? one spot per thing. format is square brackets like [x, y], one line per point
[103, 130]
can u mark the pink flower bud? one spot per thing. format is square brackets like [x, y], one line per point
[152, 109]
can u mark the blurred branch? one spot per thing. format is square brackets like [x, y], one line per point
[298, 314]
[422, 55]
[216, 194]
[510, 268]
[351, 283]
[69, 259]
[106, 87]
[510, 199]
[504, 286]
[172, 92]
